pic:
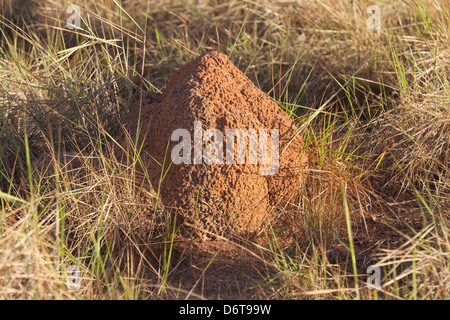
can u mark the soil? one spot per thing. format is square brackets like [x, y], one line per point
[219, 198]
[218, 270]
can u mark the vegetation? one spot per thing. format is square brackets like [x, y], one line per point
[372, 105]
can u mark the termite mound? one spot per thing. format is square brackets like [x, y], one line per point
[217, 197]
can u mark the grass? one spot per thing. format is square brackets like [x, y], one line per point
[372, 107]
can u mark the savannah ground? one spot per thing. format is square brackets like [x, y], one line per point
[372, 107]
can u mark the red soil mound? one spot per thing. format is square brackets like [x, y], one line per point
[221, 196]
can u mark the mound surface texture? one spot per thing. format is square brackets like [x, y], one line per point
[220, 197]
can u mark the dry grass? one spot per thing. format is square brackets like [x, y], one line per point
[372, 106]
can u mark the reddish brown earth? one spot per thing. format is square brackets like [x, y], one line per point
[217, 198]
